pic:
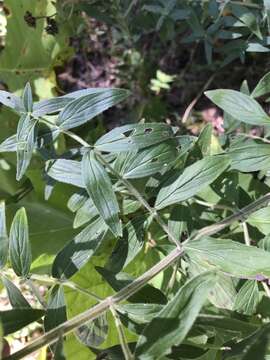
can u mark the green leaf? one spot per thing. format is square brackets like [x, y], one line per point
[20, 251]
[9, 145]
[148, 294]
[66, 171]
[83, 109]
[261, 220]
[27, 98]
[15, 319]
[78, 252]
[255, 346]
[240, 106]
[172, 324]
[147, 161]
[99, 188]
[134, 137]
[25, 143]
[140, 313]
[93, 333]
[54, 105]
[3, 236]
[128, 246]
[230, 257]
[263, 86]
[16, 298]
[248, 298]
[56, 309]
[85, 214]
[12, 101]
[193, 179]
[249, 155]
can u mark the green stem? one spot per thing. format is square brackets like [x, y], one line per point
[36, 292]
[123, 341]
[53, 281]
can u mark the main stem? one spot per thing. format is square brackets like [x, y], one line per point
[91, 314]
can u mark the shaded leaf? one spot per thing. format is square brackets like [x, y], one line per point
[128, 246]
[78, 252]
[99, 188]
[56, 309]
[3, 236]
[263, 86]
[25, 143]
[172, 324]
[20, 251]
[16, 319]
[27, 98]
[93, 333]
[16, 298]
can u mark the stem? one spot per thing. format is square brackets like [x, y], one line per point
[123, 341]
[242, 215]
[214, 206]
[53, 281]
[246, 234]
[36, 292]
[250, 136]
[91, 314]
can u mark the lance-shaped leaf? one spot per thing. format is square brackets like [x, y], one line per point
[19, 250]
[15, 319]
[54, 105]
[9, 145]
[3, 236]
[263, 86]
[99, 187]
[27, 98]
[231, 257]
[83, 109]
[95, 332]
[248, 298]
[240, 106]
[26, 138]
[147, 161]
[134, 137]
[193, 179]
[77, 200]
[85, 214]
[66, 171]
[128, 246]
[16, 298]
[12, 101]
[249, 156]
[174, 321]
[78, 252]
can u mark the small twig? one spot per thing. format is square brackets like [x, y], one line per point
[250, 136]
[122, 338]
[195, 100]
[246, 233]
[36, 292]
[214, 206]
